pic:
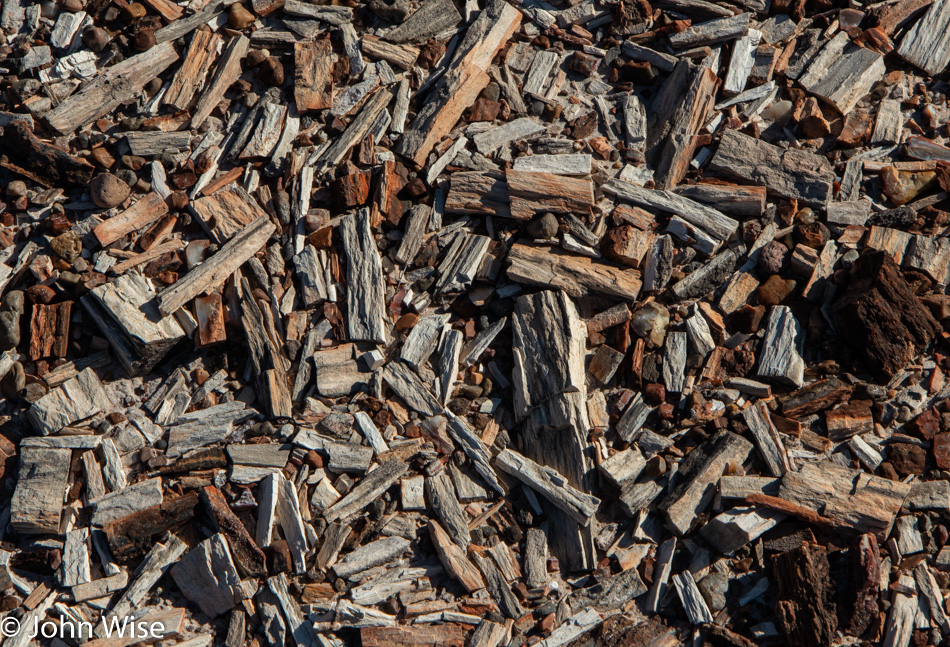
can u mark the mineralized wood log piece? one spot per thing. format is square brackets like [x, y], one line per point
[692, 600]
[780, 358]
[449, 635]
[498, 587]
[313, 81]
[440, 494]
[134, 534]
[733, 529]
[567, 164]
[699, 473]
[100, 588]
[610, 593]
[744, 201]
[927, 44]
[767, 438]
[580, 506]
[461, 84]
[227, 72]
[792, 174]
[381, 551]
[138, 217]
[37, 503]
[577, 275]
[160, 558]
[328, 160]
[38, 160]
[367, 489]
[806, 607]
[111, 87]
[454, 560]
[843, 73]
[712, 32]
[433, 17]
[227, 212]
[850, 498]
[206, 575]
[886, 324]
[191, 75]
[245, 552]
[479, 193]
[49, 330]
[120, 503]
[409, 386]
[533, 192]
[216, 269]
[710, 220]
[126, 315]
[365, 300]
[77, 399]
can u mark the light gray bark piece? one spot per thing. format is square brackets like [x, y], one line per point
[843, 73]
[633, 418]
[851, 181]
[77, 399]
[611, 593]
[571, 164]
[491, 140]
[851, 212]
[440, 494]
[623, 467]
[781, 356]
[889, 123]
[692, 600]
[580, 506]
[741, 62]
[536, 558]
[113, 471]
[288, 516]
[660, 60]
[414, 235]
[767, 438]
[334, 537]
[536, 81]
[449, 353]
[488, 634]
[149, 143]
[313, 289]
[215, 270]
[698, 474]
[792, 174]
[814, 289]
[659, 264]
[674, 362]
[700, 337]
[711, 32]
[714, 222]
[376, 553]
[634, 122]
[367, 489]
[369, 430]
[431, 19]
[134, 498]
[301, 630]
[365, 294]
[929, 495]
[929, 590]
[474, 449]
[422, 339]
[206, 575]
[409, 386]
[901, 618]
[328, 159]
[125, 314]
[111, 87]
[571, 628]
[332, 15]
[260, 455]
[344, 457]
[159, 559]
[75, 566]
[100, 588]
[661, 574]
[498, 587]
[95, 487]
[930, 254]
[472, 351]
[733, 529]
[927, 43]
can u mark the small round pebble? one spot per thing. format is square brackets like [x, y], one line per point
[108, 191]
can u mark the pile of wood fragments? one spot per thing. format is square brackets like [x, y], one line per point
[482, 322]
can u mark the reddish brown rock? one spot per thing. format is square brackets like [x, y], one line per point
[907, 459]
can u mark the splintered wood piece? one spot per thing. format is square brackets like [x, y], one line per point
[227, 212]
[366, 307]
[287, 514]
[461, 84]
[402, 56]
[226, 73]
[206, 575]
[160, 558]
[927, 44]
[134, 534]
[359, 128]
[193, 71]
[792, 174]
[578, 505]
[449, 635]
[313, 80]
[691, 599]
[577, 275]
[126, 315]
[534, 192]
[37, 502]
[498, 587]
[454, 560]
[440, 494]
[746, 201]
[806, 609]
[699, 472]
[49, 330]
[781, 356]
[843, 73]
[209, 312]
[673, 155]
[479, 193]
[218, 268]
[367, 489]
[410, 387]
[111, 87]
[138, 217]
[767, 439]
[712, 32]
[77, 399]
[381, 551]
[243, 549]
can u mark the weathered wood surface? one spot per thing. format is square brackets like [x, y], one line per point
[576, 275]
[579, 506]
